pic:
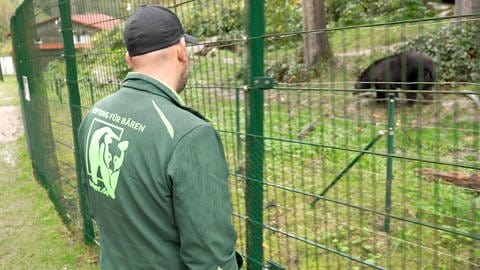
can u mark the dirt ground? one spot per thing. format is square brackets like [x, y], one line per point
[10, 123]
[11, 126]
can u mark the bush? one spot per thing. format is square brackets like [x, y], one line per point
[289, 72]
[224, 20]
[104, 62]
[276, 20]
[454, 49]
[356, 12]
[207, 20]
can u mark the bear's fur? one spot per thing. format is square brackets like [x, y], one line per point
[405, 70]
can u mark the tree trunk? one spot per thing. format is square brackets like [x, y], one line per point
[461, 179]
[463, 7]
[315, 44]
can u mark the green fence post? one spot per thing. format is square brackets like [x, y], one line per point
[16, 46]
[254, 138]
[237, 124]
[56, 82]
[90, 87]
[19, 55]
[390, 151]
[75, 110]
[35, 107]
[1, 73]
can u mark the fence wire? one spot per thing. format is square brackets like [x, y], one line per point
[347, 177]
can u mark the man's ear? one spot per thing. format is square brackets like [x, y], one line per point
[128, 59]
[182, 51]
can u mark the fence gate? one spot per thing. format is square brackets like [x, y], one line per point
[333, 165]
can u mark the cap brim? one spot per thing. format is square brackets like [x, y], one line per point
[191, 39]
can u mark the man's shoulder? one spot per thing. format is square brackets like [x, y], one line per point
[186, 121]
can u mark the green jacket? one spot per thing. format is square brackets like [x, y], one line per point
[156, 180]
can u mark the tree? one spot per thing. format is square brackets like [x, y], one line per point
[315, 43]
[463, 7]
[7, 8]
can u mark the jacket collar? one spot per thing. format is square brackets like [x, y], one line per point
[153, 86]
[156, 87]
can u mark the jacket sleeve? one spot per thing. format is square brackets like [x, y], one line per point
[201, 201]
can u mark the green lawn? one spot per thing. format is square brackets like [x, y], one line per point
[32, 235]
[313, 130]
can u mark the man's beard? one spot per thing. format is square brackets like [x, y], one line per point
[183, 80]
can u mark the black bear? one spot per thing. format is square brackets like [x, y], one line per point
[405, 70]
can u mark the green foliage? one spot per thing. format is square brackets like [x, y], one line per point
[277, 22]
[55, 68]
[100, 66]
[55, 75]
[454, 48]
[48, 7]
[355, 12]
[288, 72]
[8, 9]
[407, 9]
[104, 62]
[348, 13]
[211, 20]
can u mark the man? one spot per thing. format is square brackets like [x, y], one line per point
[155, 170]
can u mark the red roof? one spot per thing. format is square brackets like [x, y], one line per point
[96, 20]
[93, 20]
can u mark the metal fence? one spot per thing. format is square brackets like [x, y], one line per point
[323, 174]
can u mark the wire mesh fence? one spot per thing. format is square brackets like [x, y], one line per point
[329, 169]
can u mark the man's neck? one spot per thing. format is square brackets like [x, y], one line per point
[165, 76]
[179, 99]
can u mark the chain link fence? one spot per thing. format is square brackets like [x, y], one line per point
[329, 169]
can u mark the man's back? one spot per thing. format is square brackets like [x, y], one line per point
[156, 175]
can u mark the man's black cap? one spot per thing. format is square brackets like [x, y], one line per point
[151, 28]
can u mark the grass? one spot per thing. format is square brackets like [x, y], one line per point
[301, 162]
[9, 95]
[366, 38]
[32, 235]
[297, 166]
